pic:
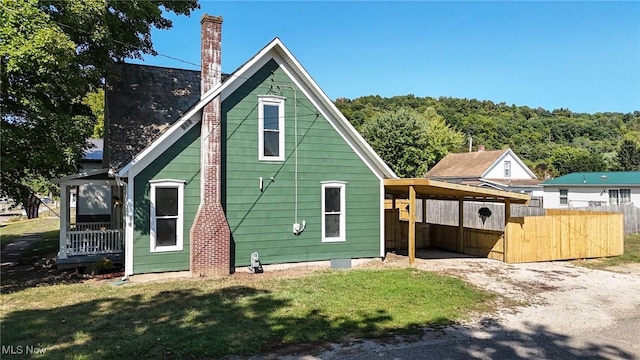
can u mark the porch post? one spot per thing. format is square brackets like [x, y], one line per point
[64, 220]
[460, 242]
[412, 225]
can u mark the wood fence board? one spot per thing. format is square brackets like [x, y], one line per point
[559, 235]
[564, 237]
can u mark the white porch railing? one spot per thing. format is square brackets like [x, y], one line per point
[91, 242]
[90, 226]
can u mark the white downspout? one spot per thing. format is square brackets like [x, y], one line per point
[64, 220]
[128, 233]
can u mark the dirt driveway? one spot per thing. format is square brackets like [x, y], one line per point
[551, 311]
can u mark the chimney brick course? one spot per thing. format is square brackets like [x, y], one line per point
[210, 233]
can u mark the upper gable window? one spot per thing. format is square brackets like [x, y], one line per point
[271, 128]
[507, 169]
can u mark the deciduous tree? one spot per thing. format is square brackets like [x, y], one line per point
[52, 54]
[410, 142]
[628, 156]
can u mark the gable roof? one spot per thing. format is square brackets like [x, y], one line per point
[465, 165]
[273, 50]
[472, 165]
[604, 178]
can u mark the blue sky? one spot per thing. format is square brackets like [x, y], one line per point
[584, 56]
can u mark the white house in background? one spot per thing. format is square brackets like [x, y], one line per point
[584, 189]
[497, 169]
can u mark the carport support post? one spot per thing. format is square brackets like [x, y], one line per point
[507, 215]
[412, 225]
[460, 242]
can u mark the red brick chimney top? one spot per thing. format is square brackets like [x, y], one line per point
[207, 17]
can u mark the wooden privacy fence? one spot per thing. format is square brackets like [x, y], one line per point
[476, 242]
[445, 212]
[630, 212]
[559, 235]
[564, 235]
[396, 232]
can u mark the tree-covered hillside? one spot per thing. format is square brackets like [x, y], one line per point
[552, 143]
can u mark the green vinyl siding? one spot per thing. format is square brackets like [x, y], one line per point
[180, 162]
[262, 221]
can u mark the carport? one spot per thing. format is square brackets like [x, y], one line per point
[428, 189]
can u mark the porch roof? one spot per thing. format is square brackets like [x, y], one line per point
[90, 177]
[441, 190]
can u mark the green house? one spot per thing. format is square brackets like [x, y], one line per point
[256, 161]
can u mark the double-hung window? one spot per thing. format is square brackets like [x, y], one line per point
[619, 196]
[333, 211]
[167, 214]
[564, 197]
[507, 169]
[270, 128]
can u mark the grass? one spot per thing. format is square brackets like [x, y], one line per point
[44, 226]
[46, 247]
[631, 255]
[242, 314]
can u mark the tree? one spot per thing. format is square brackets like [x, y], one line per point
[441, 138]
[410, 142]
[567, 159]
[628, 156]
[95, 101]
[52, 54]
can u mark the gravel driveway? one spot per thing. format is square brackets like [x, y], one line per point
[552, 310]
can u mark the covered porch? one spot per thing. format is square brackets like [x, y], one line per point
[95, 229]
[449, 237]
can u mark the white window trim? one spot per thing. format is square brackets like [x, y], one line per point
[343, 210]
[507, 169]
[279, 102]
[179, 184]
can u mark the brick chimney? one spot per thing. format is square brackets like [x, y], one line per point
[210, 235]
[480, 148]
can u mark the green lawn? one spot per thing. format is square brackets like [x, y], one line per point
[631, 255]
[45, 226]
[242, 314]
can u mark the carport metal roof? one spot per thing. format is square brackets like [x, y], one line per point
[440, 190]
